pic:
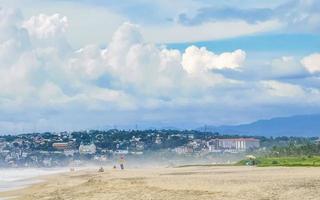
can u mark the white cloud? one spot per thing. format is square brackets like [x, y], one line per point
[280, 89]
[294, 15]
[51, 94]
[175, 33]
[86, 63]
[46, 26]
[282, 94]
[135, 69]
[286, 66]
[95, 24]
[9, 18]
[312, 63]
[129, 78]
[300, 15]
[200, 60]
[126, 36]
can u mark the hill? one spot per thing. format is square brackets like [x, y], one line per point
[302, 125]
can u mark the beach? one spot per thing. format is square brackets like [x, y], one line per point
[200, 182]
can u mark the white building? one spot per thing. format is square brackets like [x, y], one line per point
[158, 139]
[121, 152]
[69, 152]
[190, 136]
[213, 145]
[239, 143]
[87, 149]
[184, 149]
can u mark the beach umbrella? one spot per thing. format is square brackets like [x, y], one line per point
[251, 157]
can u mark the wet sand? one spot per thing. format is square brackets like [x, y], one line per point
[218, 183]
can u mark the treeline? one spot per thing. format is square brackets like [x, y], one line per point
[292, 149]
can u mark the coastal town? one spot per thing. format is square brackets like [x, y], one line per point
[64, 148]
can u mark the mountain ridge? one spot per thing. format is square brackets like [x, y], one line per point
[298, 125]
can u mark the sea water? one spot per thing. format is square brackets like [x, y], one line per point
[17, 178]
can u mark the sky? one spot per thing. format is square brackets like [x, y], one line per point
[99, 64]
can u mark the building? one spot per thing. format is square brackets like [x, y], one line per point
[69, 152]
[87, 149]
[184, 149]
[60, 145]
[137, 152]
[190, 136]
[213, 145]
[158, 139]
[239, 143]
[121, 152]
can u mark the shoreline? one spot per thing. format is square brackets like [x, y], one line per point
[38, 182]
[18, 179]
[190, 183]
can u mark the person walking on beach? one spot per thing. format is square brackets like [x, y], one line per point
[121, 162]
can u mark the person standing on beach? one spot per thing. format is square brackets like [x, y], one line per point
[121, 162]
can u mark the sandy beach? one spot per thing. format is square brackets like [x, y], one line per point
[177, 183]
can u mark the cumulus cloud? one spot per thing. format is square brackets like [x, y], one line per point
[128, 79]
[312, 63]
[86, 63]
[200, 59]
[279, 89]
[286, 67]
[46, 26]
[284, 94]
[129, 74]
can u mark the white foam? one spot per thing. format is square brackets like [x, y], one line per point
[18, 178]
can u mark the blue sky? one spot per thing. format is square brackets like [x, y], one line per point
[295, 44]
[80, 64]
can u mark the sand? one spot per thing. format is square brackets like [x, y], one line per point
[218, 183]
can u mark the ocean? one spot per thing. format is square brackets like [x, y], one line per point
[16, 178]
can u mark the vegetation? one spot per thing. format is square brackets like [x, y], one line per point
[301, 153]
[297, 150]
[305, 161]
[204, 165]
[284, 141]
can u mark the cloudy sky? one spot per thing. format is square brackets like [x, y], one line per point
[81, 64]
